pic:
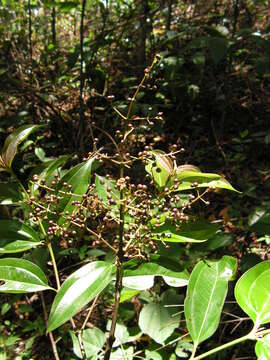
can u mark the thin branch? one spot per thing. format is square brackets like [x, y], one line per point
[53, 343]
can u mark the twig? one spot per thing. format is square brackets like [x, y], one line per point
[53, 343]
[89, 312]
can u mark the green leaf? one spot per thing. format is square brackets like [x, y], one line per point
[158, 320]
[40, 153]
[93, 341]
[218, 240]
[193, 176]
[47, 169]
[203, 180]
[198, 59]
[9, 193]
[11, 144]
[121, 333]
[161, 168]
[206, 293]
[66, 6]
[16, 237]
[196, 232]
[152, 355]
[21, 276]
[77, 290]
[252, 292]
[138, 282]
[142, 278]
[79, 179]
[186, 168]
[259, 220]
[127, 294]
[262, 348]
[5, 308]
[183, 349]
[122, 354]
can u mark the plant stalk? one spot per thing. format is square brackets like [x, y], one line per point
[249, 336]
[119, 276]
[81, 124]
[53, 343]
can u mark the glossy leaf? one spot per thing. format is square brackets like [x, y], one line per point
[259, 220]
[12, 142]
[218, 240]
[79, 179]
[21, 276]
[198, 176]
[197, 231]
[77, 290]
[16, 237]
[9, 193]
[206, 294]
[252, 292]
[41, 155]
[262, 348]
[48, 168]
[204, 180]
[186, 168]
[93, 341]
[161, 168]
[138, 282]
[142, 278]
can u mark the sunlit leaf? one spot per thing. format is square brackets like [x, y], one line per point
[138, 282]
[77, 290]
[159, 319]
[78, 178]
[262, 348]
[183, 349]
[16, 237]
[152, 355]
[12, 142]
[203, 180]
[21, 276]
[93, 341]
[186, 168]
[197, 231]
[142, 277]
[207, 289]
[161, 168]
[121, 333]
[127, 294]
[252, 292]
[122, 354]
[193, 176]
